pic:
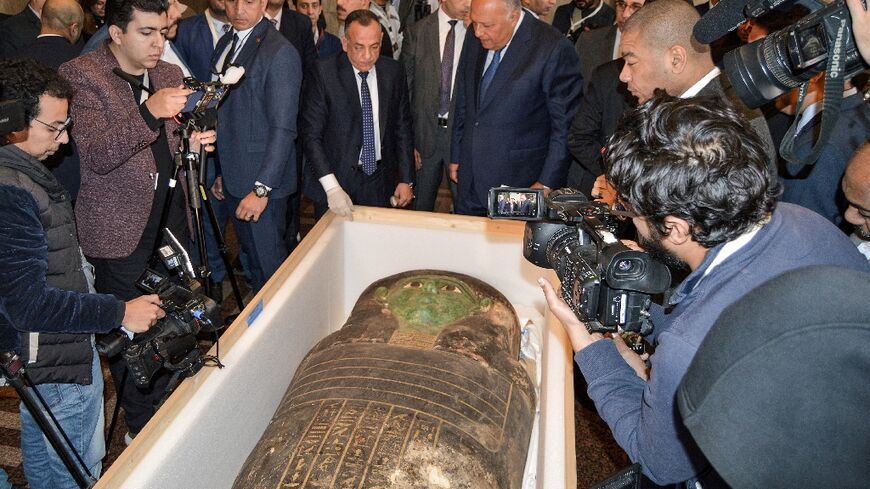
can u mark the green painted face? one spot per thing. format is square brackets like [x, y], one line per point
[426, 303]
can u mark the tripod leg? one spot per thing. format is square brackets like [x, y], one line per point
[222, 246]
[48, 424]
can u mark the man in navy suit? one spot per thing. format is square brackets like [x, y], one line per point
[20, 29]
[258, 127]
[517, 90]
[198, 36]
[356, 125]
[295, 27]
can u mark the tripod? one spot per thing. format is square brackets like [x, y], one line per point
[13, 370]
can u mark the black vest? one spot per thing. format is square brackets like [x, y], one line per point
[61, 358]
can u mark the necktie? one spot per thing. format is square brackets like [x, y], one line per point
[447, 70]
[274, 22]
[490, 73]
[367, 158]
[230, 53]
[226, 28]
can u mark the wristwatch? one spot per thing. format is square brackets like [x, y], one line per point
[261, 190]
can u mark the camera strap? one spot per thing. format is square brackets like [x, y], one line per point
[833, 98]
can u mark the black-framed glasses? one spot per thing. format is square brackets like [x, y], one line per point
[59, 130]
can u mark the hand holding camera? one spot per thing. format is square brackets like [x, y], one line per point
[167, 102]
[142, 312]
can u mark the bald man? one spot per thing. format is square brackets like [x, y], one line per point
[660, 53]
[856, 188]
[61, 29]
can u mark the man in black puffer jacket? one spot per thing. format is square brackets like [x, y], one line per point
[47, 314]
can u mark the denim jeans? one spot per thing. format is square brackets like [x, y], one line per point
[4, 480]
[79, 410]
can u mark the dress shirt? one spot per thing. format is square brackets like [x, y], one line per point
[700, 84]
[810, 112]
[372, 79]
[458, 40]
[276, 18]
[216, 27]
[37, 14]
[491, 52]
[48, 35]
[616, 53]
[171, 56]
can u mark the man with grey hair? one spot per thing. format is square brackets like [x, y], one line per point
[61, 29]
[517, 87]
[660, 52]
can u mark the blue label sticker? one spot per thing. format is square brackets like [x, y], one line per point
[255, 313]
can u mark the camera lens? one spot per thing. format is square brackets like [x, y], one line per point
[759, 71]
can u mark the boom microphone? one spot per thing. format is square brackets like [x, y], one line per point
[721, 19]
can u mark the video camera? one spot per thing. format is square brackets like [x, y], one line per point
[171, 343]
[605, 283]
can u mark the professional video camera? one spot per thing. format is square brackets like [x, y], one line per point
[171, 343]
[786, 59]
[606, 284]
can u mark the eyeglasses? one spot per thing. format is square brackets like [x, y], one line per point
[59, 130]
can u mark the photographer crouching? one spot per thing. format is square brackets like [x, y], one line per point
[47, 314]
[695, 176]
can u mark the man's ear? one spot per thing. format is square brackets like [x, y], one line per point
[115, 33]
[678, 231]
[677, 58]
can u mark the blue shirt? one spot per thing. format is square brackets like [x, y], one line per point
[643, 414]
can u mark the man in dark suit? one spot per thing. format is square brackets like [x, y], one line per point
[601, 108]
[578, 16]
[256, 133]
[198, 35]
[599, 46]
[62, 22]
[356, 126]
[20, 29]
[325, 44]
[430, 56]
[295, 27]
[517, 89]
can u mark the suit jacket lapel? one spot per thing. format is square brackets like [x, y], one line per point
[383, 102]
[260, 31]
[478, 69]
[512, 59]
[347, 78]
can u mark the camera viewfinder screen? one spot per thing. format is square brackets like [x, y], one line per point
[517, 204]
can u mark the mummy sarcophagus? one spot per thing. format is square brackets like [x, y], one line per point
[421, 388]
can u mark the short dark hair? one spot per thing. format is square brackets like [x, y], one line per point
[26, 80]
[120, 12]
[362, 16]
[697, 159]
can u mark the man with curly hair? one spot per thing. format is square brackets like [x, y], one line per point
[695, 175]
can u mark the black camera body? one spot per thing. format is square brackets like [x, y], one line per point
[171, 343]
[607, 285]
[11, 116]
[785, 59]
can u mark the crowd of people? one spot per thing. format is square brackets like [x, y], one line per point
[620, 102]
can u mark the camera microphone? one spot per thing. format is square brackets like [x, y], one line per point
[232, 75]
[132, 80]
[723, 18]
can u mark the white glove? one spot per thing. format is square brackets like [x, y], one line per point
[339, 202]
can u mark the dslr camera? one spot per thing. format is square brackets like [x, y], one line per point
[171, 343]
[608, 285]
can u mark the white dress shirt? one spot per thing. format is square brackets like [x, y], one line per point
[372, 80]
[504, 50]
[700, 84]
[276, 18]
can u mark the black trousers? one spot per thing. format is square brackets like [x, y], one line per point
[118, 276]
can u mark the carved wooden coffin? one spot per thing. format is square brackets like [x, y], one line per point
[421, 388]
